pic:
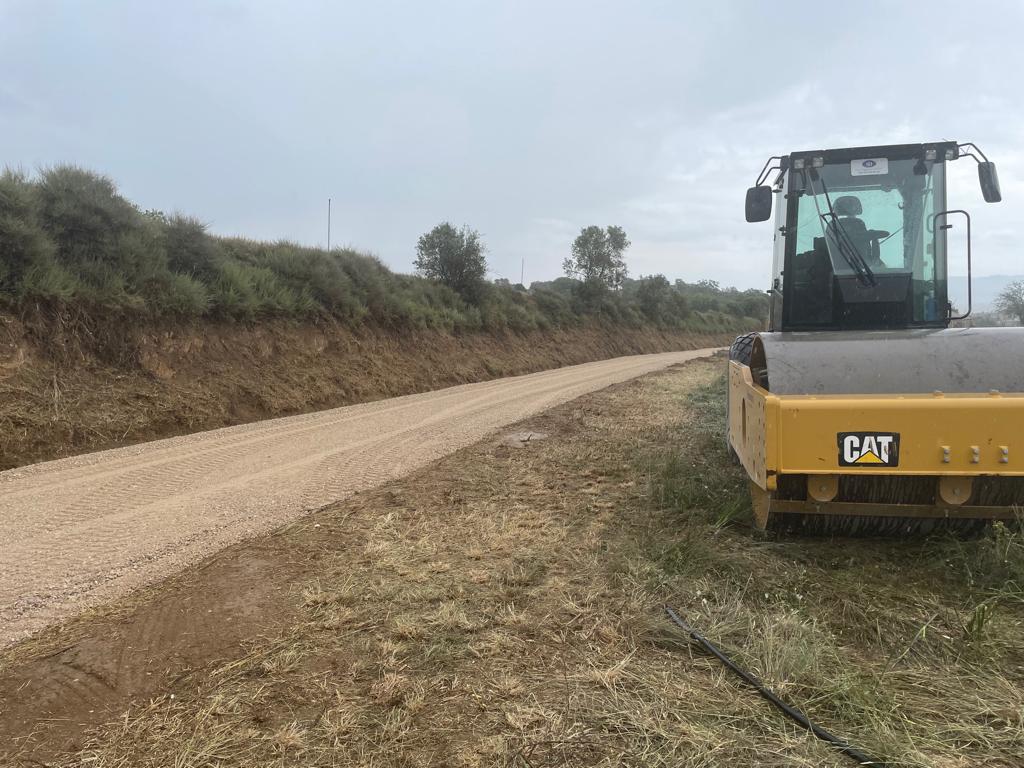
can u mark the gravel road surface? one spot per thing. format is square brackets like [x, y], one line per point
[81, 531]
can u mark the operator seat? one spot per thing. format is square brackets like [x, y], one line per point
[855, 232]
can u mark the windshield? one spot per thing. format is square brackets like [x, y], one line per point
[864, 254]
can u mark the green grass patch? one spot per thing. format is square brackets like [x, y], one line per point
[697, 476]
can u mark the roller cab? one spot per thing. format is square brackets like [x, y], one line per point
[860, 409]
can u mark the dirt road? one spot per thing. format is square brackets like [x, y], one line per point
[84, 530]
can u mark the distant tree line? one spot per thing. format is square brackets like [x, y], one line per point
[596, 280]
[1007, 310]
[69, 239]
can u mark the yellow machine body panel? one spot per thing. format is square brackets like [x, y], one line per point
[938, 434]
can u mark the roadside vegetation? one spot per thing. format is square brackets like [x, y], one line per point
[68, 239]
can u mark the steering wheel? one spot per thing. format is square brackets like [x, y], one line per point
[875, 236]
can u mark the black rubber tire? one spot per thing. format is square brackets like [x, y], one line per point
[742, 348]
[741, 351]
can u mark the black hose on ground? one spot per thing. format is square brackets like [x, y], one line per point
[791, 712]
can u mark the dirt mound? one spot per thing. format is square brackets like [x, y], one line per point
[69, 386]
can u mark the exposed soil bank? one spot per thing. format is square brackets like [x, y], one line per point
[69, 387]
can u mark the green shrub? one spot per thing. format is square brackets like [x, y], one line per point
[46, 281]
[190, 250]
[83, 214]
[177, 294]
[102, 284]
[24, 245]
[313, 274]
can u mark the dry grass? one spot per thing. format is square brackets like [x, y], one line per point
[503, 609]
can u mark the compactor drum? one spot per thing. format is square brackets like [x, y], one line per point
[860, 409]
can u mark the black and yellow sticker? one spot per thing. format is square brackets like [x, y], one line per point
[869, 449]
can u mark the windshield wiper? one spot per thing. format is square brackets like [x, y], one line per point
[847, 248]
[850, 252]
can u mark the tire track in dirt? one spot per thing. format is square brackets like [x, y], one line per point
[80, 531]
[49, 700]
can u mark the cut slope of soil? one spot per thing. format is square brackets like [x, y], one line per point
[69, 387]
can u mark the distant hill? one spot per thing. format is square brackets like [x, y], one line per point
[984, 289]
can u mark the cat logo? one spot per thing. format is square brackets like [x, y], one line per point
[869, 449]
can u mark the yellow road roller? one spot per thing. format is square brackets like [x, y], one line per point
[863, 409]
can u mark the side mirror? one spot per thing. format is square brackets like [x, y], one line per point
[759, 203]
[989, 180]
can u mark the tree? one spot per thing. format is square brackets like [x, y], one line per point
[752, 303]
[454, 257]
[1011, 301]
[654, 295]
[598, 257]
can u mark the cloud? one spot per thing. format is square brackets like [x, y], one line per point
[526, 120]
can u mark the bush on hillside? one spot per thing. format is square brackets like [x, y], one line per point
[28, 265]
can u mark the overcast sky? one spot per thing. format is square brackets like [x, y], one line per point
[525, 120]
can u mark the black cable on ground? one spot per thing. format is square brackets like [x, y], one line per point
[791, 712]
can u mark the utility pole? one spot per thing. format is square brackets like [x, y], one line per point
[522, 272]
[328, 225]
